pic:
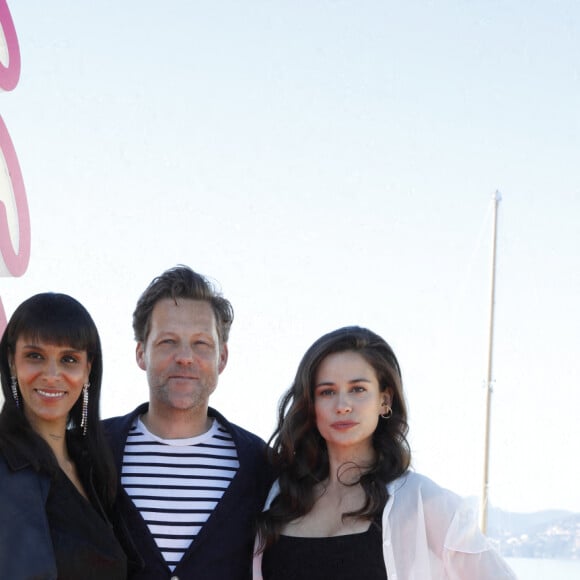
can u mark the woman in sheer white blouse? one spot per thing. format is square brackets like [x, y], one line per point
[345, 504]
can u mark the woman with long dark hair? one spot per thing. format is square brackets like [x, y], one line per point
[57, 478]
[345, 505]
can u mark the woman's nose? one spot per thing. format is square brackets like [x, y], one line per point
[343, 403]
[51, 371]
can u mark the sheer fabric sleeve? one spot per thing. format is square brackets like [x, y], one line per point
[430, 533]
[468, 554]
[257, 560]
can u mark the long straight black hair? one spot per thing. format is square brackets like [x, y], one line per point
[61, 320]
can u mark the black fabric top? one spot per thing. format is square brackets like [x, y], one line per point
[349, 557]
[83, 540]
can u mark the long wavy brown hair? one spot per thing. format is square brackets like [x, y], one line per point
[299, 453]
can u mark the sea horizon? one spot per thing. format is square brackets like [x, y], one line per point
[544, 568]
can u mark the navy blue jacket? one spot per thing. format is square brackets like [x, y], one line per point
[223, 548]
[25, 541]
[27, 544]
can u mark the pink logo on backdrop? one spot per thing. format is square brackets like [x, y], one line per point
[14, 216]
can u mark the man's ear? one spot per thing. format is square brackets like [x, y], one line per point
[140, 356]
[223, 361]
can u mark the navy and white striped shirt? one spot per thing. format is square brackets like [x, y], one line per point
[177, 483]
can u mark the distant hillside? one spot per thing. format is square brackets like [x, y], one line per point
[546, 534]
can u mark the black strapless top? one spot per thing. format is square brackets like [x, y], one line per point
[350, 557]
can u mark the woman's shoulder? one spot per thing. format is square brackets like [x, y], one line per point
[19, 478]
[274, 491]
[417, 484]
[11, 458]
[411, 480]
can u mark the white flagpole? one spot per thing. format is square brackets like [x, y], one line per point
[483, 509]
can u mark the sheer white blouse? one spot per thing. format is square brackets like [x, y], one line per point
[429, 533]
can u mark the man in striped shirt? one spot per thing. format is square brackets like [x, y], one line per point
[192, 482]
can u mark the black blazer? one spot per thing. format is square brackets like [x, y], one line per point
[82, 538]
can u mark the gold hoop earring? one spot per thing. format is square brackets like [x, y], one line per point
[388, 414]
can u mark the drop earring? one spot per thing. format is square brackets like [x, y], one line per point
[85, 409]
[14, 387]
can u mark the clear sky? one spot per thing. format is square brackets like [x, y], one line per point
[327, 163]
